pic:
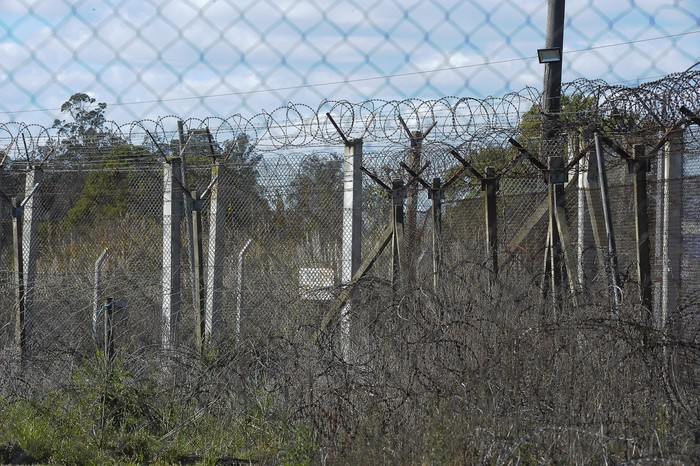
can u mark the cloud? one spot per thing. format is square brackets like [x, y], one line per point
[162, 49]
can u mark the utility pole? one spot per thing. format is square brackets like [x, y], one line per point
[551, 134]
[551, 96]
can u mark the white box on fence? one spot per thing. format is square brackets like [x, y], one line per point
[316, 283]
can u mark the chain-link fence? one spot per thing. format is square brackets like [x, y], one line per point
[310, 254]
[378, 274]
[195, 58]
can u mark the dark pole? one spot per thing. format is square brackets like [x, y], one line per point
[436, 196]
[411, 225]
[198, 266]
[551, 97]
[639, 167]
[109, 332]
[187, 205]
[21, 323]
[398, 258]
[551, 108]
[490, 186]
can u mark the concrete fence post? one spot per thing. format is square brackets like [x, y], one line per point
[671, 234]
[352, 231]
[218, 200]
[30, 223]
[172, 215]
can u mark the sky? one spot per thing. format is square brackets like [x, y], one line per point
[196, 58]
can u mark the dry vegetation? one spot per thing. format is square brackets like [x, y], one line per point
[464, 377]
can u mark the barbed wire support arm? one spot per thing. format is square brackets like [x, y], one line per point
[365, 267]
[490, 184]
[692, 116]
[436, 194]
[557, 262]
[416, 139]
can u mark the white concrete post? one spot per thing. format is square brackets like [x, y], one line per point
[671, 234]
[216, 253]
[30, 222]
[172, 214]
[352, 231]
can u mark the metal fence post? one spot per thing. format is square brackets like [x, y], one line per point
[594, 206]
[489, 184]
[585, 262]
[436, 196]
[2, 206]
[240, 290]
[557, 203]
[96, 292]
[398, 254]
[412, 239]
[108, 332]
[198, 266]
[639, 167]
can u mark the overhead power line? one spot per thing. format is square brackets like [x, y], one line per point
[369, 78]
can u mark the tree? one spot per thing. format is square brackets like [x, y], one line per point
[248, 207]
[315, 198]
[577, 111]
[112, 192]
[246, 204]
[85, 134]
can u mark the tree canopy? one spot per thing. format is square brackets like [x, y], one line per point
[84, 133]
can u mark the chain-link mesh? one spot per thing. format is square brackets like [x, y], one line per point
[228, 285]
[211, 254]
[194, 58]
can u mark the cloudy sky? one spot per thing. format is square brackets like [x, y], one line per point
[196, 58]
